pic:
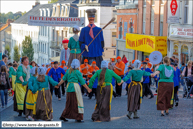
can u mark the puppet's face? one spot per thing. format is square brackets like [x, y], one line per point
[65, 45]
[91, 20]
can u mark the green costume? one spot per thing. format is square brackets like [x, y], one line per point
[11, 72]
[74, 77]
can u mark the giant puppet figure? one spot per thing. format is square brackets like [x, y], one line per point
[95, 50]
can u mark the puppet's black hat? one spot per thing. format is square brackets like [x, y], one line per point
[91, 12]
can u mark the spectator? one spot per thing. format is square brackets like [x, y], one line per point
[4, 61]
[55, 73]
[51, 87]
[63, 66]
[119, 70]
[33, 63]
[84, 70]
[124, 59]
[4, 85]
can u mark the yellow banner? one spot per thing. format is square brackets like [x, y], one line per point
[146, 43]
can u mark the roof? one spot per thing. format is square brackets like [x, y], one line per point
[34, 12]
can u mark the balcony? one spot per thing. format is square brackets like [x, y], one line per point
[56, 45]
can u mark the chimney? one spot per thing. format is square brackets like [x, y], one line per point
[9, 21]
[36, 3]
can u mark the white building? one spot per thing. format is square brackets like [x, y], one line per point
[105, 12]
[40, 35]
[181, 35]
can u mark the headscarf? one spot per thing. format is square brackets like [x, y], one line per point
[26, 71]
[41, 71]
[137, 64]
[75, 64]
[104, 64]
[33, 71]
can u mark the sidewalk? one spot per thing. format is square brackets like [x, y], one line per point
[9, 103]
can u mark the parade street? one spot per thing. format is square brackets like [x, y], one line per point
[180, 117]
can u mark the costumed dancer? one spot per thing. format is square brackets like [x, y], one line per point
[31, 98]
[87, 34]
[74, 46]
[74, 103]
[44, 99]
[65, 53]
[51, 87]
[111, 67]
[22, 75]
[12, 75]
[104, 92]
[165, 86]
[135, 89]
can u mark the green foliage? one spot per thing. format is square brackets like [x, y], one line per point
[23, 13]
[52, 1]
[16, 56]
[27, 48]
[8, 50]
[10, 15]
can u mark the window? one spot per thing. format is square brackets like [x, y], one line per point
[57, 54]
[161, 19]
[161, 29]
[144, 2]
[144, 27]
[113, 39]
[152, 27]
[186, 11]
[152, 2]
[45, 48]
[144, 18]
[53, 35]
[162, 1]
[152, 19]
[62, 34]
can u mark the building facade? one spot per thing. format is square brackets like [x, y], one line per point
[180, 36]
[147, 17]
[40, 35]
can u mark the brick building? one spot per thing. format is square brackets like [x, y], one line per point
[147, 17]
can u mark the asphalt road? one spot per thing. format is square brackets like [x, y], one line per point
[179, 117]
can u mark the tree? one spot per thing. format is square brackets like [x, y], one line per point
[23, 13]
[52, 1]
[7, 48]
[16, 56]
[27, 48]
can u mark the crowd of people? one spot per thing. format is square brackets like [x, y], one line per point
[33, 86]
[82, 71]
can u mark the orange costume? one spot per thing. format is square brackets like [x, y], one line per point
[49, 69]
[82, 70]
[149, 65]
[119, 65]
[63, 62]
[92, 69]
